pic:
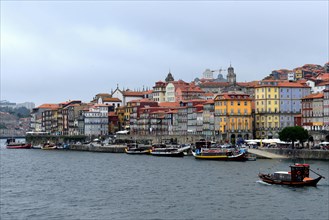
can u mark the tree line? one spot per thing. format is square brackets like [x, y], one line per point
[20, 112]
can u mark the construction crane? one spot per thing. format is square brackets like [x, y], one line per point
[220, 70]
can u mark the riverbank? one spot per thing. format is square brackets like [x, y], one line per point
[300, 153]
[285, 153]
[101, 149]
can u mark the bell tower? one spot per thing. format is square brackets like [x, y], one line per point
[231, 76]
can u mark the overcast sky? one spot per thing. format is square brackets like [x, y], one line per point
[55, 51]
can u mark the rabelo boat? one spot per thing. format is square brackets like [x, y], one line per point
[134, 148]
[203, 150]
[168, 151]
[298, 176]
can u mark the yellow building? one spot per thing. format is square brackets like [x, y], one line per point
[298, 74]
[276, 105]
[233, 112]
[267, 106]
[120, 112]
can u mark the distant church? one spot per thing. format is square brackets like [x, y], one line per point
[210, 84]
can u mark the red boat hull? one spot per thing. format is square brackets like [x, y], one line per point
[19, 146]
[267, 179]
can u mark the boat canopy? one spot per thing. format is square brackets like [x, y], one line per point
[282, 172]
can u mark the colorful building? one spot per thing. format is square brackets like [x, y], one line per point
[233, 111]
[312, 112]
[276, 105]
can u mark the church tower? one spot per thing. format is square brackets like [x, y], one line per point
[169, 77]
[231, 76]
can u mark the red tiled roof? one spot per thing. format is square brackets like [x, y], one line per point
[142, 100]
[291, 84]
[168, 104]
[148, 91]
[210, 101]
[111, 100]
[318, 95]
[49, 106]
[209, 94]
[132, 93]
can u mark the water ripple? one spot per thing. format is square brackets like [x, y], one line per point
[38, 184]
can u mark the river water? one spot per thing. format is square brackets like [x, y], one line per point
[55, 184]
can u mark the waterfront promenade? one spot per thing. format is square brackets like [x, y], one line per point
[265, 154]
[262, 153]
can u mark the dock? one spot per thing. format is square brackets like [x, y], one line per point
[266, 155]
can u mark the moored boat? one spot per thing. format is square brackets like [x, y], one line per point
[134, 148]
[38, 146]
[15, 145]
[49, 147]
[220, 154]
[298, 176]
[168, 151]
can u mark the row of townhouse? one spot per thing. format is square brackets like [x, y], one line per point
[277, 103]
[227, 117]
[249, 110]
[315, 111]
[99, 117]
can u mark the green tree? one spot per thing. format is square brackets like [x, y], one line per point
[293, 134]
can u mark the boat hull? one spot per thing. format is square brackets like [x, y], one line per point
[267, 179]
[239, 157]
[18, 146]
[49, 147]
[136, 151]
[167, 154]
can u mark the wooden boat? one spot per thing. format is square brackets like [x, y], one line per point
[49, 147]
[168, 151]
[14, 145]
[133, 148]
[204, 150]
[219, 154]
[298, 176]
[39, 146]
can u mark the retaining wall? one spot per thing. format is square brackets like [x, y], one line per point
[301, 153]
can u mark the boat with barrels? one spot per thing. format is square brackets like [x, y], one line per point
[204, 150]
[134, 148]
[297, 176]
[220, 154]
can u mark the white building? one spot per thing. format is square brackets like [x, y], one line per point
[96, 120]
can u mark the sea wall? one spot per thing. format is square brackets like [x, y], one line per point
[101, 149]
[301, 153]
